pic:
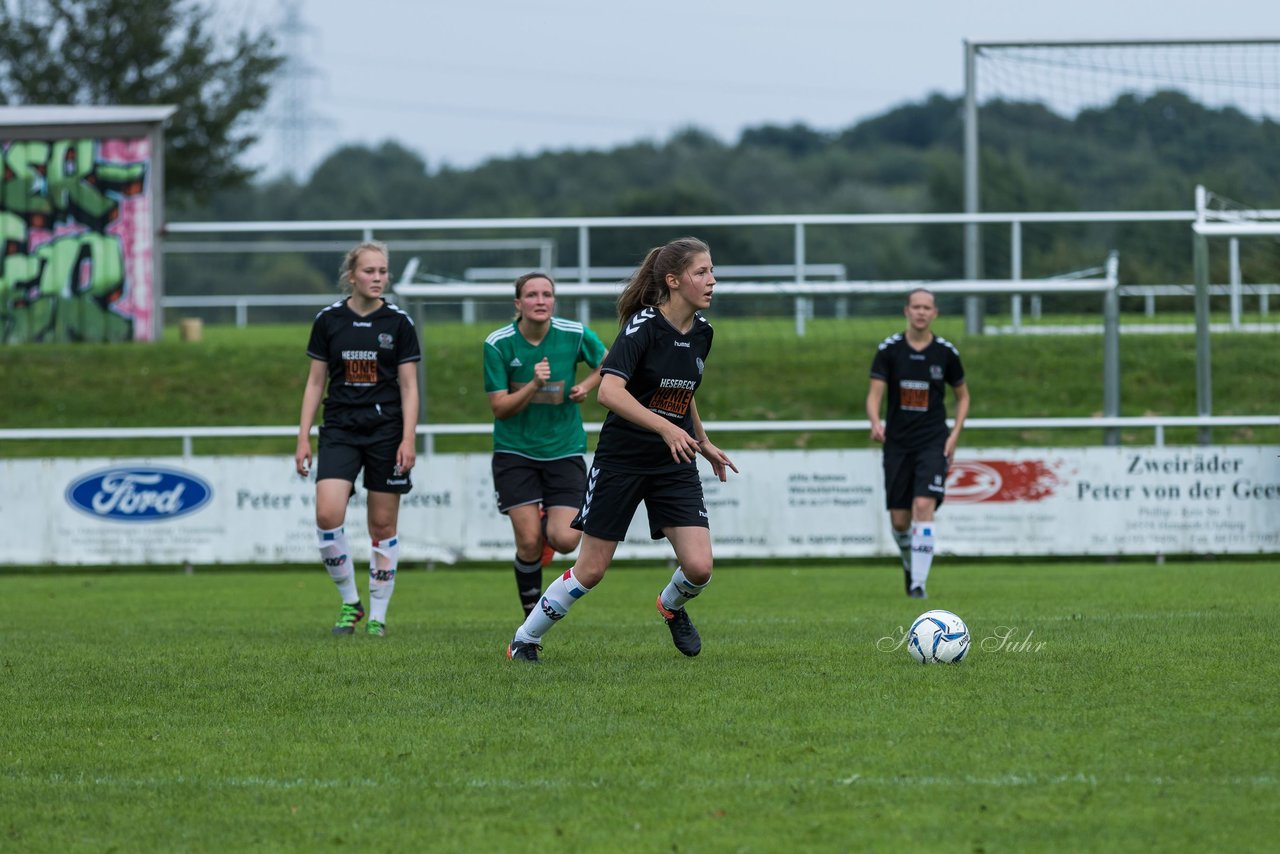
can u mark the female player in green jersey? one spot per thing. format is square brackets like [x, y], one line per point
[539, 475]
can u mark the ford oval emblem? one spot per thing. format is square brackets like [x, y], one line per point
[138, 494]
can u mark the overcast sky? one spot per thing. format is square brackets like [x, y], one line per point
[461, 81]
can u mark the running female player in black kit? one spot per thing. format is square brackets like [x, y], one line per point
[648, 444]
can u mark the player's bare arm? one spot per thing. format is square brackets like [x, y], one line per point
[875, 395]
[962, 412]
[720, 462]
[312, 393]
[407, 453]
[589, 383]
[507, 403]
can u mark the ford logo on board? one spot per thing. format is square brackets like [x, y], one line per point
[138, 494]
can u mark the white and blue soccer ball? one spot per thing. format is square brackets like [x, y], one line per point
[938, 637]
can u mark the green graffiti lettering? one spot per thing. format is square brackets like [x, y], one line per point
[18, 270]
[82, 264]
[64, 288]
[71, 188]
[125, 179]
[24, 189]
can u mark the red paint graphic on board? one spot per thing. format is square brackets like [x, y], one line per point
[973, 481]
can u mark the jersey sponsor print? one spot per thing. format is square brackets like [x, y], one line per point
[663, 368]
[916, 381]
[363, 353]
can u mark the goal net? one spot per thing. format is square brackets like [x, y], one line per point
[1069, 77]
[1139, 121]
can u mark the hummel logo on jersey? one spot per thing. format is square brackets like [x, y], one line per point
[639, 319]
[685, 344]
[516, 363]
[362, 323]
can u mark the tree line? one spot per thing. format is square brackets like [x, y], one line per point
[1139, 152]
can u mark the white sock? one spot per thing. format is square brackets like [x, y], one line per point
[680, 590]
[382, 576]
[335, 551]
[903, 539]
[922, 542]
[553, 605]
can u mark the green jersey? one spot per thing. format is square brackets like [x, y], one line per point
[550, 427]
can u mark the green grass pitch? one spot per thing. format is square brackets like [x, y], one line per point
[1103, 707]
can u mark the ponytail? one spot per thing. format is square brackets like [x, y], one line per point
[647, 286]
[643, 289]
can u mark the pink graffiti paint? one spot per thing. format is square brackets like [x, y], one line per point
[135, 229]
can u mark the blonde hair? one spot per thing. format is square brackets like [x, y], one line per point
[648, 284]
[348, 264]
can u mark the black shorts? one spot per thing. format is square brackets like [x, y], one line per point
[914, 474]
[344, 452]
[672, 499]
[519, 480]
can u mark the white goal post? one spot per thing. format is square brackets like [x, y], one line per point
[1232, 221]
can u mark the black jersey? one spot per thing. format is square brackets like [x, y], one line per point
[917, 380]
[663, 368]
[364, 353]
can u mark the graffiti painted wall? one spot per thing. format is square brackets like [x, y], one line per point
[76, 223]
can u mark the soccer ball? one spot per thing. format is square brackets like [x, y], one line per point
[938, 637]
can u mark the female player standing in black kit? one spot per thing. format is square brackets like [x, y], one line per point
[366, 349]
[648, 444]
[915, 367]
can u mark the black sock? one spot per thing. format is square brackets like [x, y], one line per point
[528, 583]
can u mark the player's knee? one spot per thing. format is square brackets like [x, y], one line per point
[327, 521]
[588, 575]
[381, 530]
[564, 541]
[529, 542]
[698, 570]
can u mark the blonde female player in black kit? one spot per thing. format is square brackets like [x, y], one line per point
[648, 444]
[366, 350]
[915, 367]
